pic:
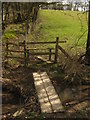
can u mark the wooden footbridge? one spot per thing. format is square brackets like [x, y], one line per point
[48, 98]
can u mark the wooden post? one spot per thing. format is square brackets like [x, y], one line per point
[27, 57]
[24, 53]
[56, 49]
[6, 51]
[50, 50]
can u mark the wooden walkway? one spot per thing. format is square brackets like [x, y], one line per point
[48, 98]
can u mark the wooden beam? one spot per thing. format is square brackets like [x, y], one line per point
[22, 43]
[11, 43]
[6, 50]
[15, 57]
[41, 42]
[56, 49]
[64, 52]
[53, 42]
[15, 51]
[25, 53]
[41, 53]
[44, 60]
[39, 49]
[50, 51]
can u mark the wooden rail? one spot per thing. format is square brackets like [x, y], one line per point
[41, 53]
[39, 49]
[11, 43]
[27, 51]
[15, 57]
[16, 51]
[64, 52]
[22, 43]
[53, 42]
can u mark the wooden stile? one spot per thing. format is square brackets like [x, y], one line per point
[35, 51]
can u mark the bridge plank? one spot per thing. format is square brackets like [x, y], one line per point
[44, 60]
[53, 97]
[43, 99]
[48, 98]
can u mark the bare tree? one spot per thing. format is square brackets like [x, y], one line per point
[88, 38]
[20, 12]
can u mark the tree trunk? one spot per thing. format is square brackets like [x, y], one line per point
[2, 11]
[7, 10]
[18, 13]
[13, 16]
[28, 17]
[4, 18]
[34, 17]
[88, 38]
[3, 24]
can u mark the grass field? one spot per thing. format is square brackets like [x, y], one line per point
[67, 25]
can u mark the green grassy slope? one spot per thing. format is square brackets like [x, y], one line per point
[68, 25]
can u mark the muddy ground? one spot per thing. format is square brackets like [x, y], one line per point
[20, 101]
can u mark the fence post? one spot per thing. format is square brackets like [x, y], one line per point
[27, 57]
[24, 53]
[6, 50]
[50, 50]
[56, 49]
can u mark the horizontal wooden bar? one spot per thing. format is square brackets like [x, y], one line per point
[14, 57]
[50, 42]
[38, 49]
[41, 42]
[42, 53]
[14, 51]
[11, 43]
[21, 43]
[33, 61]
[62, 41]
[28, 49]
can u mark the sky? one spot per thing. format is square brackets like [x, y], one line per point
[76, 0]
[69, 0]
